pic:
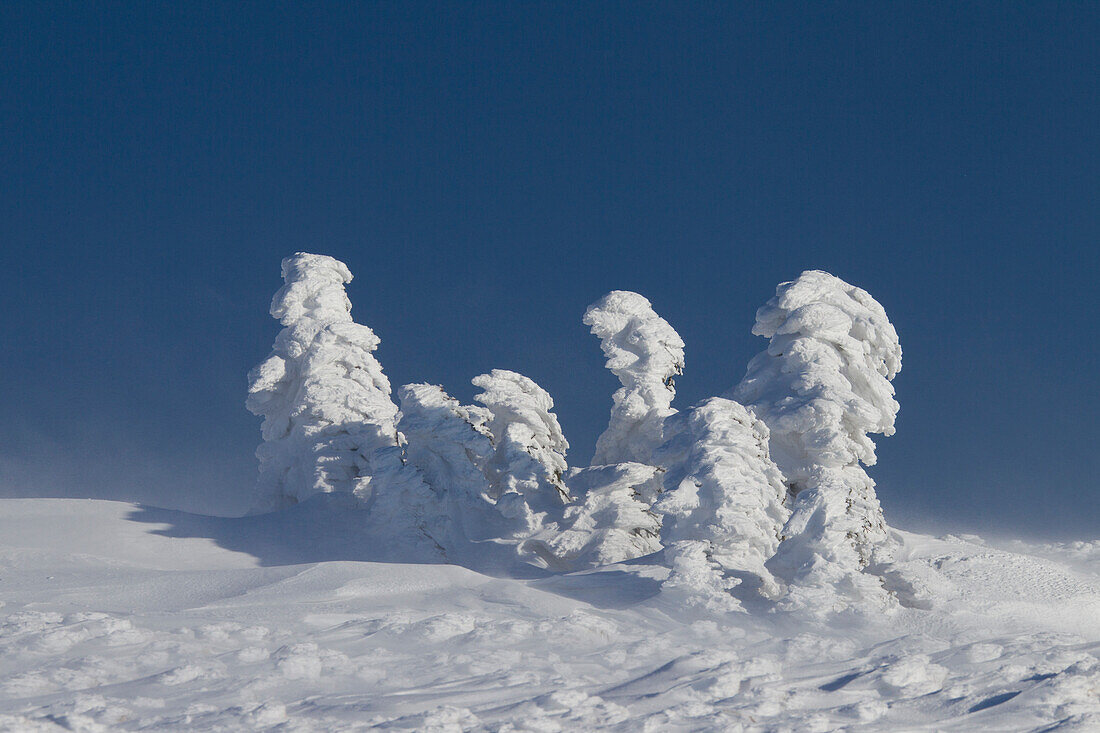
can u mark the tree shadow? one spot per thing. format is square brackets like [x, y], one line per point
[325, 528]
[611, 587]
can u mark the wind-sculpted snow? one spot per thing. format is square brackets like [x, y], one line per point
[607, 522]
[696, 581]
[122, 618]
[482, 513]
[723, 498]
[442, 569]
[528, 463]
[822, 386]
[324, 400]
[646, 354]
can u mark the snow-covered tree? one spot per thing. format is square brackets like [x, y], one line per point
[723, 497]
[404, 518]
[606, 522]
[450, 446]
[325, 403]
[528, 462]
[646, 354]
[822, 386]
[695, 580]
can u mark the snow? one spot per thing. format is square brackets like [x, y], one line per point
[442, 568]
[722, 494]
[123, 617]
[607, 522]
[449, 445]
[529, 460]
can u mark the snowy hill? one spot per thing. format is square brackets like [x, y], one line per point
[439, 566]
[122, 617]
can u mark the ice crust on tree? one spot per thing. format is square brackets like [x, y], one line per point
[607, 521]
[822, 386]
[723, 502]
[646, 354]
[528, 463]
[325, 403]
[405, 516]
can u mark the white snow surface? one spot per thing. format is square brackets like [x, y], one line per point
[119, 617]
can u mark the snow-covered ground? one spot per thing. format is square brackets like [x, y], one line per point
[122, 617]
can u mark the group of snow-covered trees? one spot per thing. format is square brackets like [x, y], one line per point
[759, 494]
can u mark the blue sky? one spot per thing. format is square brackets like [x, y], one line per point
[488, 170]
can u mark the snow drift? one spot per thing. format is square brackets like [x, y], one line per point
[127, 618]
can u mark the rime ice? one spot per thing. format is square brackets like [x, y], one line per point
[768, 492]
[646, 354]
[323, 397]
[722, 492]
[529, 456]
[395, 589]
[822, 386]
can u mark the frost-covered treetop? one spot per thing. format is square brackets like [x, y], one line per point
[646, 354]
[720, 483]
[314, 288]
[826, 307]
[513, 398]
[450, 446]
[832, 347]
[822, 387]
[324, 398]
[642, 349]
[723, 493]
[530, 446]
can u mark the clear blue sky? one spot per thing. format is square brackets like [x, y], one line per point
[489, 170]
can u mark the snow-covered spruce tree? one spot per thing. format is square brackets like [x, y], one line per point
[450, 446]
[528, 462]
[723, 501]
[822, 386]
[325, 403]
[610, 517]
[606, 522]
[646, 354]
